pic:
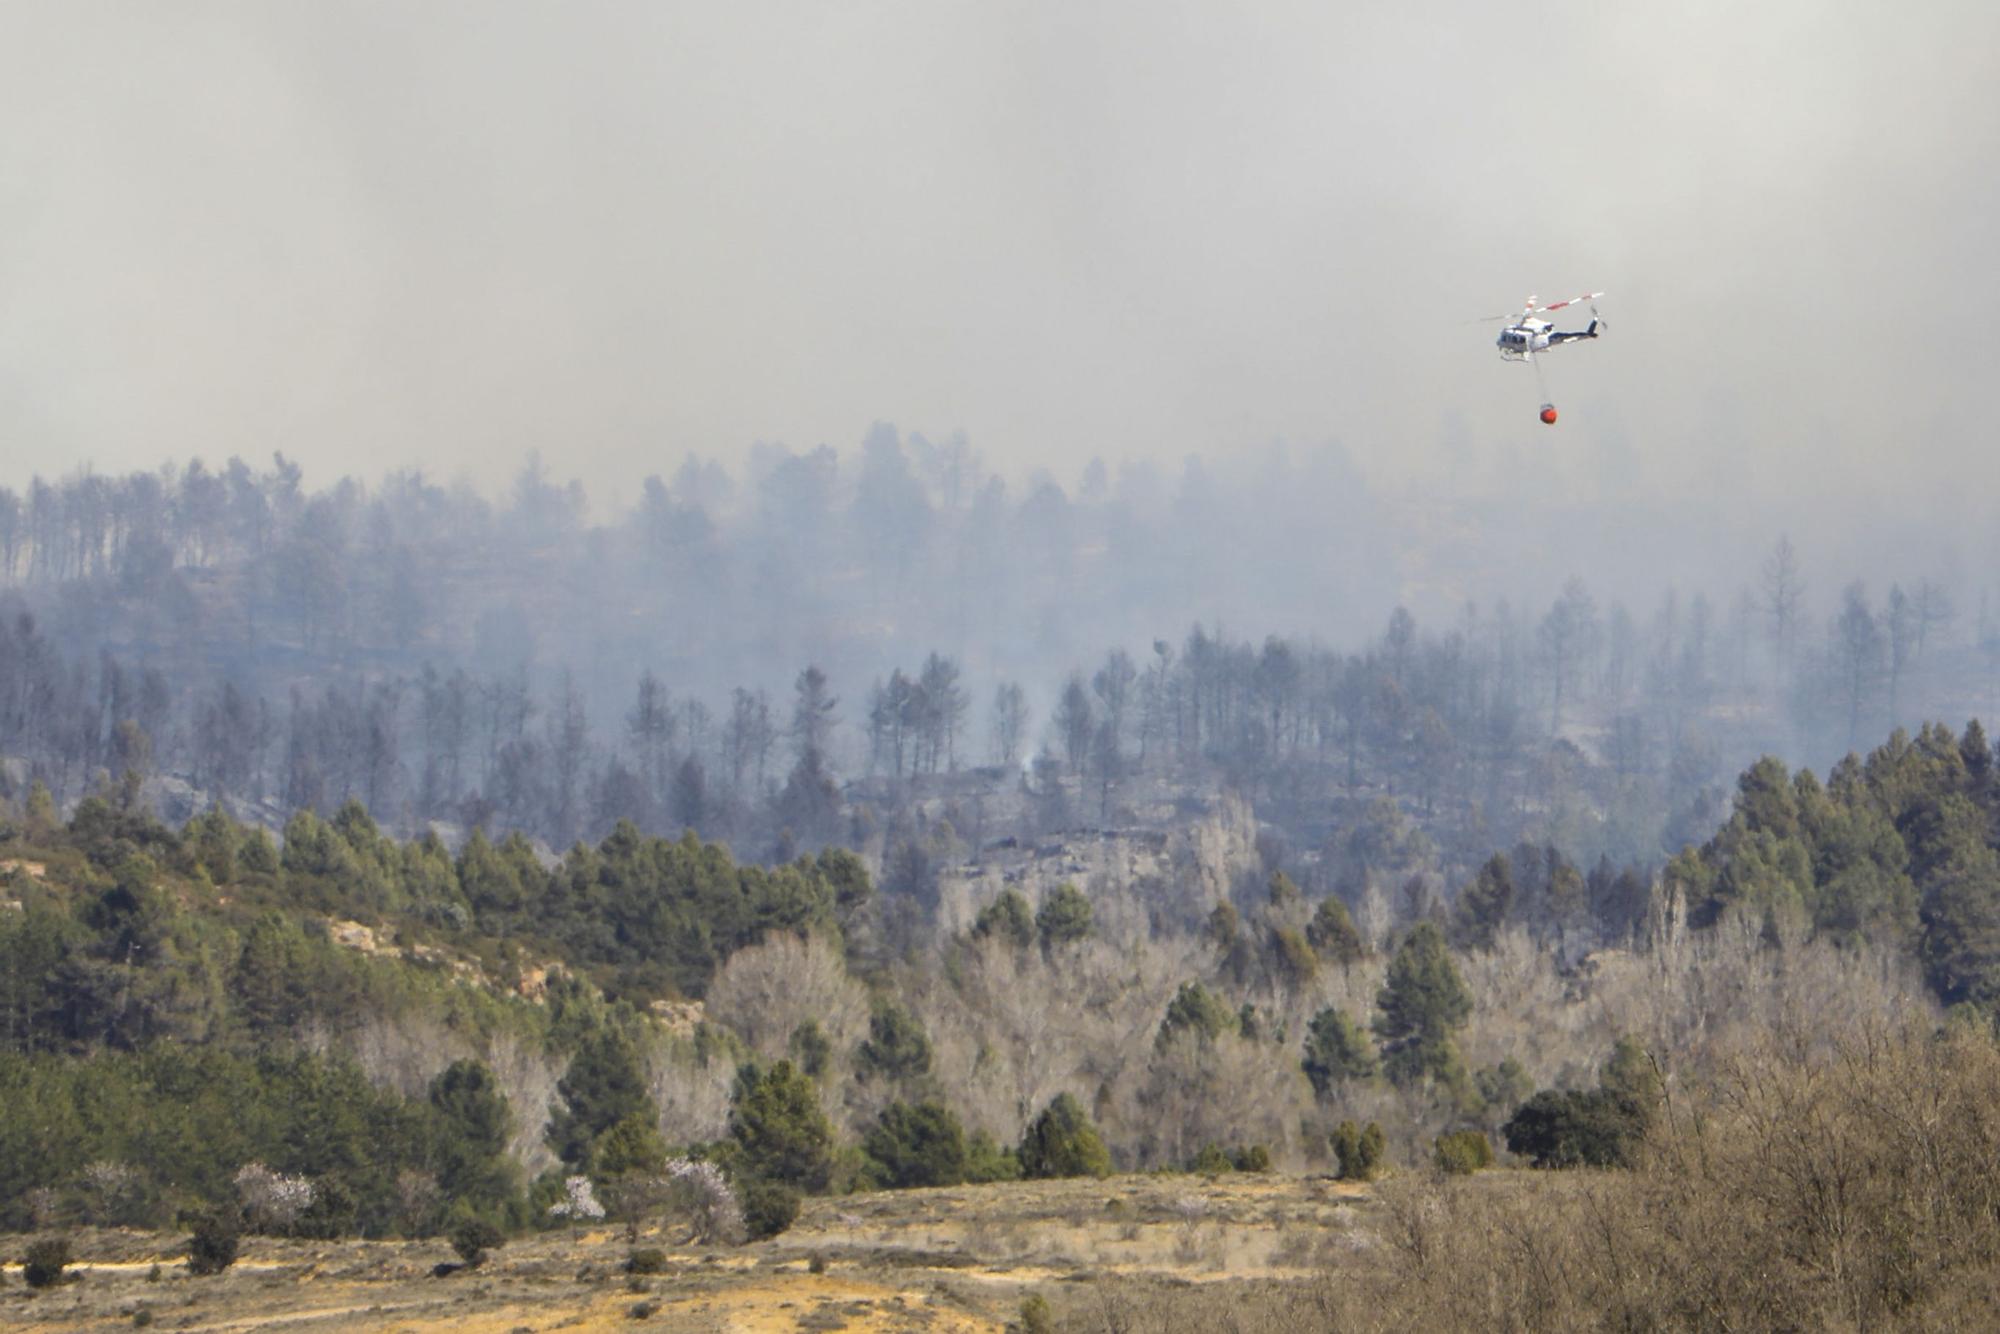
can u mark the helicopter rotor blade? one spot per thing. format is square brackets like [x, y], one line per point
[1587, 296]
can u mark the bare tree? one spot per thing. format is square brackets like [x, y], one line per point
[1784, 600]
[1010, 723]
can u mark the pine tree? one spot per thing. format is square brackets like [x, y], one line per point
[1064, 918]
[896, 1048]
[920, 1145]
[604, 1085]
[473, 1126]
[781, 1134]
[1197, 1010]
[1483, 905]
[1337, 1051]
[1062, 1142]
[1422, 1001]
[1008, 918]
[1332, 932]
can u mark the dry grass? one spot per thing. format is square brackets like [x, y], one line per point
[1802, 1184]
[944, 1260]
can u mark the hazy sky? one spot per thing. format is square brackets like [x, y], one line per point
[376, 235]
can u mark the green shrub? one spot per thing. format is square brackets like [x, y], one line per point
[1211, 1161]
[1007, 917]
[472, 1238]
[769, 1207]
[921, 1145]
[212, 1248]
[1571, 1128]
[651, 1260]
[45, 1261]
[1036, 1318]
[1062, 1142]
[1463, 1153]
[987, 1161]
[1359, 1150]
[1064, 918]
[1256, 1158]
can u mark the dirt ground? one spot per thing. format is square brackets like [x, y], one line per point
[949, 1261]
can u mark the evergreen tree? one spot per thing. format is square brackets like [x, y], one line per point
[920, 1145]
[1337, 1051]
[896, 1048]
[1064, 917]
[1422, 1001]
[1483, 905]
[473, 1124]
[1008, 918]
[604, 1085]
[780, 1132]
[1961, 930]
[1062, 1142]
[1195, 1009]
[1332, 932]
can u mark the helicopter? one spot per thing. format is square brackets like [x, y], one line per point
[1525, 335]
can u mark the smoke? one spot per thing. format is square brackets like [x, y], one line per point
[379, 236]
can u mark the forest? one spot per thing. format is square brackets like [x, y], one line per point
[338, 899]
[419, 1031]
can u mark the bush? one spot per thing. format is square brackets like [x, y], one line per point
[45, 1261]
[1211, 1161]
[1359, 1151]
[1256, 1158]
[1573, 1129]
[769, 1207]
[921, 1145]
[1463, 1153]
[1062, 1142]
[472, 1238]
[986, 1161]
[651, 1260]
[212, 1248]
[1036, 1318]
[779, 1129]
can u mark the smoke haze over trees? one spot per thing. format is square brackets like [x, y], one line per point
[730, 652]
